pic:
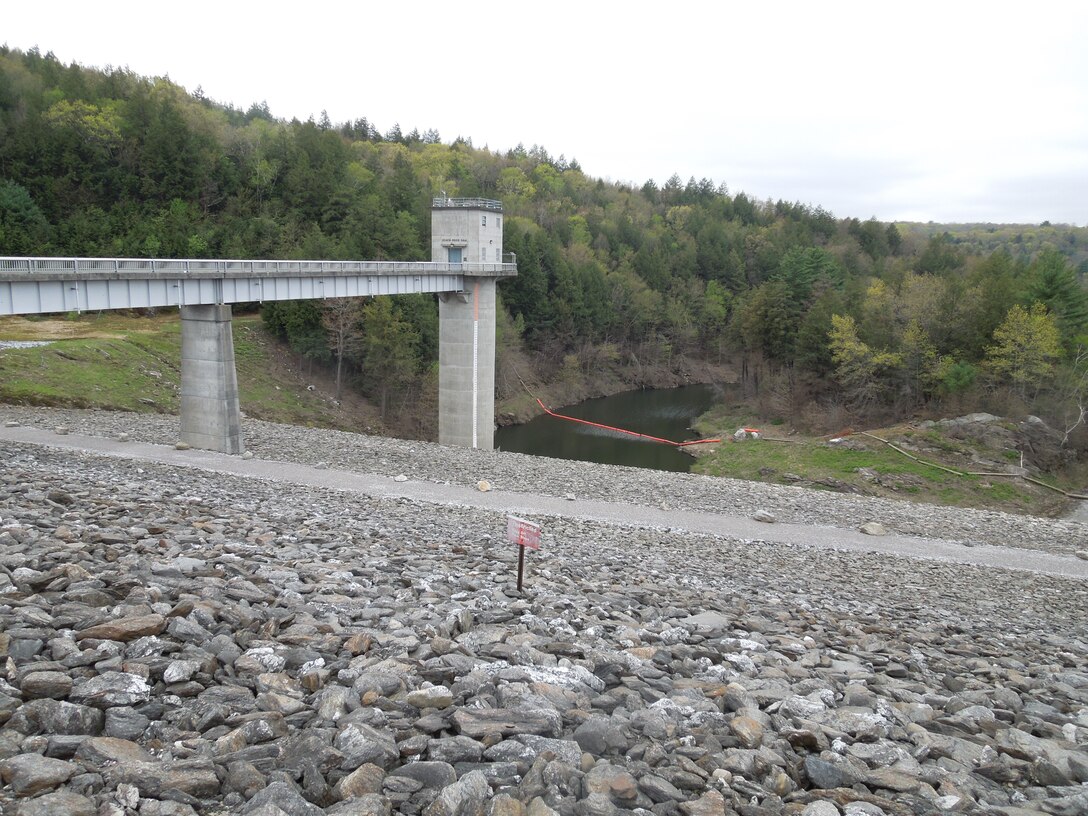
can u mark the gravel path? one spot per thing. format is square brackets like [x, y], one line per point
[823, 536]
[422, 461]
[313, 637]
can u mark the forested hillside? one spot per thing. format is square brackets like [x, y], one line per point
[824, 317]
[1022, 241]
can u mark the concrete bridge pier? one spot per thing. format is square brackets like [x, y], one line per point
[466, 365]
[211, 418]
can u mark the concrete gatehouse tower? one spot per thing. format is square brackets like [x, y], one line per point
[467, 231]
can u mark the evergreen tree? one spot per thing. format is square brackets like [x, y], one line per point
[387, 352]
[1054, 284]
[23, 227]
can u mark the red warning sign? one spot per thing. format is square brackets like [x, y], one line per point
[523, 533]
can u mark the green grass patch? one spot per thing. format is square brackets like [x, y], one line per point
[814, 459]
[1005, 491]
[877, 470]
[264, 390]
[719, 417]
[124, 362]
[133, 374]
[867, 466]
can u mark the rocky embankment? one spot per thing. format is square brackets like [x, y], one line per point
[174, 641]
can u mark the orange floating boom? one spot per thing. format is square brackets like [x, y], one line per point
[549, 412]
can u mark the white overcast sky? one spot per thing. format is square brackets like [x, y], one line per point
[943, 111]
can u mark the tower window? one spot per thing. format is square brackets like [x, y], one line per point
[483, 221]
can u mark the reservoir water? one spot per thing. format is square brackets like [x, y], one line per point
[663, 412]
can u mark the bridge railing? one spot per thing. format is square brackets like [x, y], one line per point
[440, 202]
[121, 267]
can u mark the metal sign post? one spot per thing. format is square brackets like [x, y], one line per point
[524, 534]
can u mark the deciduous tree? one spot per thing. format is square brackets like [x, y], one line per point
[341, 319]
[866, 375]
[1026, 346]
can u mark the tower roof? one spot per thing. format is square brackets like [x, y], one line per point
[443, 203]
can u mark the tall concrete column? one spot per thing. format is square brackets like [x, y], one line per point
[210, 415]
[466, 365]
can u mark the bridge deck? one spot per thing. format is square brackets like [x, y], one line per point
[47, 285]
